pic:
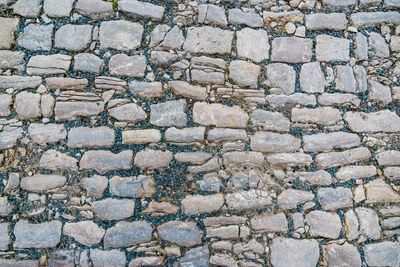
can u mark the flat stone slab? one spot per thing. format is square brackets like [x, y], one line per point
[302, 252]
[42, 235]
[113, 209]
[105, 161]
[184, 234]
[120, 35]
[219, 115]
[208, 40]
[42, 182]
[291, 49]
[125, 234]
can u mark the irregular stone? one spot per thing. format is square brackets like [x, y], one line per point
[312, 78]
[68, 111]
[226, 134]
[283, 17]
[274, 142]
[390, 223]
[199, 257]
[145, 89]
[320, 115]
[130, 112]
[95, 185]
[187, 90]
[66, 83]
[28, 105]
[345, 80]
[198, 204]
[339, 4]
[248, 200]
[41, 235]
[141, 10]
[133, 187]
[5, 239]
[338, 99]
[19, 82]
[6, 208]
[252, 245]
[54, 160]
[333, 159]
[140, 137]
[185, 135]
[388, 157]
[335, 198]
[54, 8]
[27, 8]
[379, 93]
[80, 137]
[362, 19]
[184, 234]
[219, 115]
[250, 19]
[163, 58]
[212, 165]
[392, 172]
[12, 183]
[369, 223]
[147, 261]
[12, 60]
[379, 121]
[248, 158]
[47, 105]
[276, 101]
[291, 159]
[94, 9]
[170, 113]
[378, 45]
[73, 37]
[153, 159]
[223, 232]
[208, 40]
[291, 49]
[281, 78]
[113, 209]
[112, 257]
[207, 70]
[17, 263]
[87, 233]
[85, 62]
[128, 66]
[351, 225]
[222, 260]
[48, 64]
[120, 35]
[173, 40]
[323, 224]
[291, 198]
[125, 234]
[361, 50]
[270, 223]
[8, 26]
[104, 161]
[395, 44]
[319, 177]
[384, 253]
[212, 14]
[339, 255]
[346, 173]
[192, 157]
[302, 252]
[252, 44]
[47, 133]
[42, 182]
[331, 48]
[322, 21]
[323, 142]
[380, 192]
[244, 73]
[270, 121]
[160, 208]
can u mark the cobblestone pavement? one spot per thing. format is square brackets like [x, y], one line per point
[199, 133]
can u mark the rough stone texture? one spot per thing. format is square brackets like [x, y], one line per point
[73, 37]
[113, 209]
[129, 112]
[171, 113]
[28, 105]
[302, 252]
[27, 8]
[42, 235]
[321, 21]
[133, 187]
[369, 223]
[153, 159]
[273, 142]
[51, 64]
[281, 78]
[120, 35]
[331, 199]
[208, 40]
[54, 160]
[379, 121]
[106, 161]
[181, 233]
[332, 159]
[219, 115]
[291, 198]
[42, 182]
[127, 66]
[36, 37]
[244, 73]
[54, 8]
[86, 62]
[312, 78]
[382, 254]
[7, 29]
[125, 234]
[198, 204]
[94, 9]
[252, 44]
[291, 49]
[80, 137]
[270, 223]
[141, 10]
[324, 224]
[47, 133]
[330, 48]
[85, 232]
[341, 255]
[5, 238]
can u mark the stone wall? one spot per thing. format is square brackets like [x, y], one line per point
[199, 133]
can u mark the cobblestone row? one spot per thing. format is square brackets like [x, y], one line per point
[199, 133]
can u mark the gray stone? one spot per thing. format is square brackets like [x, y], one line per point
[73, 37]
[248, 158]
[379, 121]
[390, 223]
[55, 8]
[198, 204]
[338, 99]
[8, 26]
[42, 235]
[80, 137]
[199, 257]
[270, 121]
[333, 159]
[222, 260]
[291, 198]
[104, 161]
[384, 253]
[95, 185]
[147, 261]
[369, 223]
[87, 233]
[47, 105]
[276, 101]
[252, 44]
[146, 89]
[102, 258]
[244, 73]
[395, 43]
[90, 63]
[113, 209]
[335, 198]
[250, 18]
[290, 159]
[212, 14]
[51, 64]
[319, 177]
[160, 208]
[173, 40]
[68, 111]
[27, 105]
[312, 79]
[339, 4]
[379, 93]
[94, 9]
[22, 263]
[281, 18]
[226, 134]
[281, 78]
[379, 191]
[322, 21]
[187, 90]
[320, 115]
[219, 115]
[27, 8]
[133, 187]
[66, 83]
[208, 40]
[129, 112]
[5, 239]
[170, 113]
[291, 49]
[248, 200]
[274, 142]
[368, 3]
[128, 66]
[54, 160]
[163, 58]
[19, 82]
[331, 48]
[140, 137]
[345, 80]
[5, 104]
[153, 159]
[391, 3]
[185, 135]
[270, 223]
[346, 173]
[392, 172]
[47, 133]
[378, 44]
[302, 252]
[125, 234]
[184, 234]
[120, 35]
[324, 142]
[362, 19]
[324, 224]
[388, 157]
[12, 60]
[12, 183]
[6, 208]
[208, 70]
[361, 50]
[42, 182]
[351, 225]
[141, 10]
[341, 255]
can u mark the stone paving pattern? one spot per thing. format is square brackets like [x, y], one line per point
[200, 133]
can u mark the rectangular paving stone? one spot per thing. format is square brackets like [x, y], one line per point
[291, 49]
[208, 40]
[104, 161]
[80, 137]
[41, 235]
[19, 82]
[363, 19]
[331, 48]
[323, 21]
[52, 64]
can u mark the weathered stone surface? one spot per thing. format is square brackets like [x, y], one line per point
[354, 172]
[226, 134]
[369, 223]
[47, 133]
[339, 4]
[54, 8]
[51, 64]
[73, 37]
[80, 137]
[94, 9]
[335, 198]
[27, 8]
[323, 224]
[378, 45]
[212, 14]
[379, 121]
[302, 252]
[249, 158]
[185, 135]
[244, 73]
[5, 239]
[291, 49]
[192, 157]
[125, 234]
[319, 177]
[86, 62]
[127, 66]
[379, 93]
[338, 99]
[276, 101]
[95, 185]
[198, 204]
[112, 257]
[388, 157]
[160, 208]
[281, 18]
[312, 78]
[187, 90]
[133, 187]
[113, 209]
[7, 28]
[145, 89]
[184, 234]
[141, 10]
[382, 254]
[6, 208]
[104, 161]
[129, 112]
[361, 50]
[246, 200]
[379, 191]
[351, 225]
[42, 182]
[19, 82]
[250, 19]
[66, 83]
[147, 261]
[199, 256]
[270, 121]
[54, 160]
[11, 60]
[323, 142]
[281, 78]
[153, 159]
[170, 113]
[333, 159]
[85, 232]
[291, 198]
[341, 255]
[208, 40]
[68, 111]
[120, 35]
[291, 159]
[219, 115]
[321, 115]
[362, 19]
[139, 137]
[274, 142]
[270, 223]
[252, 44]
[322, 21]
[331, 48]
[223, 232]
[42, 235]
[345, 80]
[28, 105]
[19, 263]
[207, 70]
